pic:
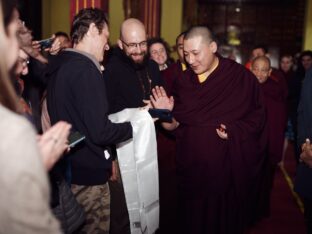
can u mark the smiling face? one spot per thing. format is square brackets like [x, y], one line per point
[101, 42]
[200, 55]
[158, 53]
[133, 40]
[261, 69]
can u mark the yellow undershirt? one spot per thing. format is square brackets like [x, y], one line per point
[202, 77]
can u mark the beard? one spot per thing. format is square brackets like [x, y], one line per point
[138, 64]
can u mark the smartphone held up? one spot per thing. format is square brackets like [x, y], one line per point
[46, 43]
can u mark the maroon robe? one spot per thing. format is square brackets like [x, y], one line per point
[275, 95]
[166, 148]
[171, 74]
[216, 176]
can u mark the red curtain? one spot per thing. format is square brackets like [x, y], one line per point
[77, 5]
[152, 17]
[148, 11]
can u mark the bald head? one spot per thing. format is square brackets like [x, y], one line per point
[262, 59]
[131, 28]
[133, 40]
[200, 31]
[261, 68]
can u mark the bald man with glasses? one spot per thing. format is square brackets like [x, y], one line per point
[130, 77]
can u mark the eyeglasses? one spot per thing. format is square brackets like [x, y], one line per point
[132, 46]
[23, 61]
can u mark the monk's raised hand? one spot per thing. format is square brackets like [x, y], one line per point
[160, 100]
[221, 131]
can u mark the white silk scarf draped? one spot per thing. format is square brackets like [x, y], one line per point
[138, 164]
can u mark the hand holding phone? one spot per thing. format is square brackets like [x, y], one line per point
[75, 138]
[46, 43]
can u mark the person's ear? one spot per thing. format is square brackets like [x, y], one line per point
[213, 47]
[93, 30]
[270, 71]
[120, 45]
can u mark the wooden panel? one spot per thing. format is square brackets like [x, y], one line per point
[275, 23]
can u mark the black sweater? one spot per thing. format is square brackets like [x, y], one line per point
[77, 94]
[128, 84]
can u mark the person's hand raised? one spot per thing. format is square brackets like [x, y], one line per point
[53, 143]
[160, 100]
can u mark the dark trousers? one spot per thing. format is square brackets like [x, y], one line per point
[119, 219]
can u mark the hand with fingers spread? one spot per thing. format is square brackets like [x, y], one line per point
[53, 143]
[160, 100]
[221, 131]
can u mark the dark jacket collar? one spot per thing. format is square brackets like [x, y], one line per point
[90, 56]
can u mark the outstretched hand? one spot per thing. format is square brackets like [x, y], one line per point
[160, 100]
[53, 143]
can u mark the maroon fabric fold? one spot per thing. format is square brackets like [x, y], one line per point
[275, 94]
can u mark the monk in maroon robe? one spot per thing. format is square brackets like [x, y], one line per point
[275, 96]
[219, 118]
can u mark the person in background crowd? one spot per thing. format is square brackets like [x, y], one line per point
[175, 69]
[258, 50]
[304, 63]
[303, 182]
[64, 39]
[34, 80]
[159, 52]
[275, 101]
[287, 69]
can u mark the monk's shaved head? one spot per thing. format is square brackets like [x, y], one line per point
[200, 31]
[131, 26]
[263, 59]
[261, 68]
[199, 50]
